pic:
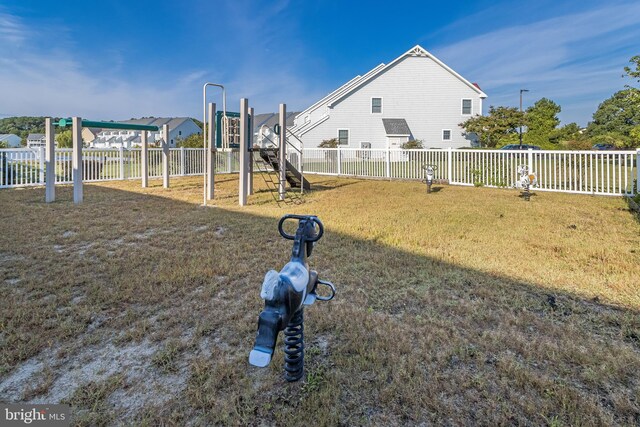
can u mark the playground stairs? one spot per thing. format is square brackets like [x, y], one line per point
[268, 164]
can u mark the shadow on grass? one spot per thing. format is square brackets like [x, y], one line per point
[408, 339]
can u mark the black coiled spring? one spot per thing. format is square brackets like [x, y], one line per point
[294, 347]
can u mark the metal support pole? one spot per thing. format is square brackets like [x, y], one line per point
[521, 91]
[250, 155]
[144, 158]
[244, 151]
[210, 150]
[282, 158]
[165, 156]
[50, 162]
[76, 160]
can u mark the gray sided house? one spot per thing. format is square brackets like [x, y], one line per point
[416, 96]
[10, 140]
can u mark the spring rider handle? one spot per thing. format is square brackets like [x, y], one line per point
[285, 294]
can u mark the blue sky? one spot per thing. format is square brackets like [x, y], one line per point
[120, 59]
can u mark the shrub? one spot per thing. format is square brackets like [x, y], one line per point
[329, 143]
[412, 144]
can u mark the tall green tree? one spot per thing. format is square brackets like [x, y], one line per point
[192, 141]
[615, 118]
[497, 127]
[542, 120]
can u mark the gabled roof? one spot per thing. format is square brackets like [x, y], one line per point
[35, 136]
[6, 136]
[396, 127]
[359, 81]
[417, 50]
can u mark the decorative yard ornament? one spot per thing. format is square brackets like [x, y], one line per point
[526, 181]
[285, 294]
[429, 173]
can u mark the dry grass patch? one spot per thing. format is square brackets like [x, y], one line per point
[465, 306]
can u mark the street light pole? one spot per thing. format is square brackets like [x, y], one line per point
[521, 90]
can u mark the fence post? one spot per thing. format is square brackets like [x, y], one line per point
[144, 159]
[229, 158]
[450, 165]
[530, 160]
[121, 156]
[41, 158]
[182, 161]
[388, 163]
[339, 156]
[638, 171]
[76, 161]
[50, 182]
[165, 156]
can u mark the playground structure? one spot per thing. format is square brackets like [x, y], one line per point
[235, 131]
[225, 131]
[285, 294]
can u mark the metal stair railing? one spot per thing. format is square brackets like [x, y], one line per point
[269, 171]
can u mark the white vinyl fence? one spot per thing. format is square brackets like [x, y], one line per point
[585, 172]
[25, 167]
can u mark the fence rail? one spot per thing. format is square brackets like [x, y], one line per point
[26, 167]
[585, 172]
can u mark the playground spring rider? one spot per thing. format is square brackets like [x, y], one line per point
[429, 173]
[285, 294]
[526, 180]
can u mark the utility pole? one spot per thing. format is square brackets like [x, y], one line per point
[521, 90]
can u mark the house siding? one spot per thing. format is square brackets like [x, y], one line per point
[416, 89]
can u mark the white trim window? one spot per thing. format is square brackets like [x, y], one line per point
[446, 134]
[376, 105]
[467, 107]
[343, 136]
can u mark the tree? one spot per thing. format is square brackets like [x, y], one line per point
[616, 117]
[542, 120]
[414, 143]
[500, 124]
[631, 72]
[64, 139]
[192, 141]
[329, 143]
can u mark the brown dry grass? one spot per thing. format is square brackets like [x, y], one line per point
[465, 306]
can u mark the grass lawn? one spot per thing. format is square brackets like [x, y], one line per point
[466, 306]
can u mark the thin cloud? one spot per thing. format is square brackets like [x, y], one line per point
[565, 58]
